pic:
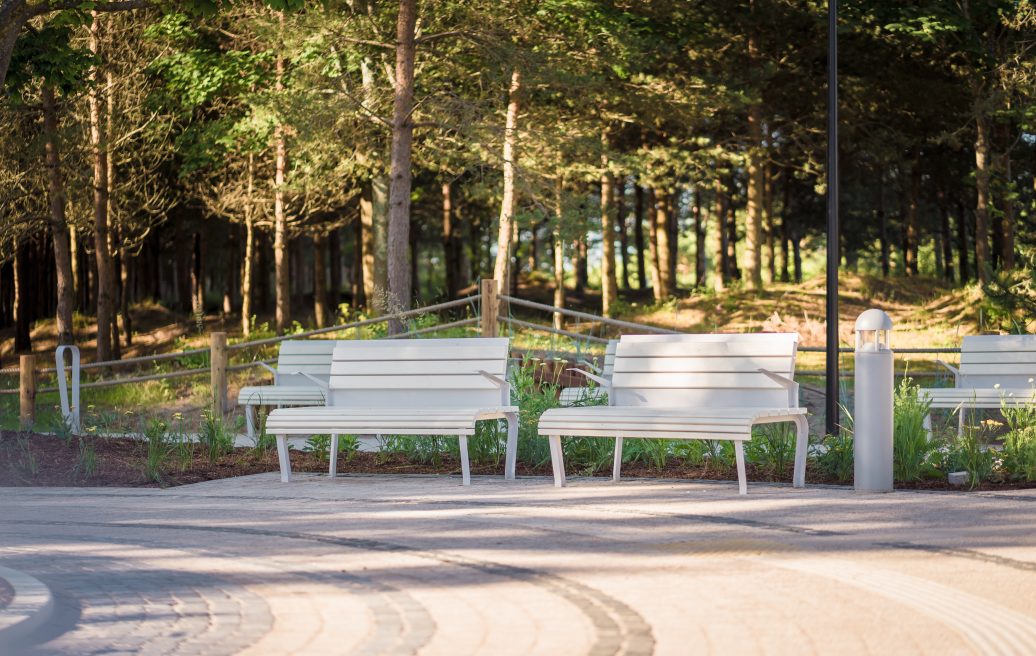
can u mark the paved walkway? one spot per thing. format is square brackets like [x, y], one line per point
[401, 565]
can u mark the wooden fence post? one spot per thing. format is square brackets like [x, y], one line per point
[490, 307]
[27, 391]
[218, 363]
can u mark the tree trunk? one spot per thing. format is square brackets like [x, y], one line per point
[733, 271]
[320, 280]
[502, 268]
[771, 235]
[399, 171]
[662, 240]
[638, 236]
[699, 239]
[962, 243]
[982, 175]
[197, 283]
[22, 300]
[753, 270]
[883, 226]
[652, 239]
[721, 270]
[911, 237]
[785, 219]
[559, 254]
[98, 143]
[282, 275]
[946, 238]
[450, 243]
[359, 281]
[249, 257]
[620, 224]
[58, 225]
[609, 294]
[1007, 240]
[334, 257]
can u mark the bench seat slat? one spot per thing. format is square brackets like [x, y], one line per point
[417, 368]
[281, 394]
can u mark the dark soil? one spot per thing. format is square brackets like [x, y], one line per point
[28, 459]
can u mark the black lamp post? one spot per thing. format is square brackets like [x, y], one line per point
[833, 254]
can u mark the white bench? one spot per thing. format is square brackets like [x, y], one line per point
[995, 370]
[573, 395]
[299, 362]
[417, 387]
[683, 387]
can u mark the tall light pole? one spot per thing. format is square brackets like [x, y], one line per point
[833, 253]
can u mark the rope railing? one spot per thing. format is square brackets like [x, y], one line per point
[618, 323]
[553, 330]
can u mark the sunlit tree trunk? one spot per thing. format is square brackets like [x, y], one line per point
[638, 236]
[320, 280]
[663, 250]
[653, 255]
[399, 170]
[720, 268]
[248, 261]
[609, 293]
[502, 268]
[559, 253]
[58, 225]
[982, 189]
[99, 146]
[282, 275]
[753, 274]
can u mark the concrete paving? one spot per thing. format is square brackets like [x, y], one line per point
[420, 565]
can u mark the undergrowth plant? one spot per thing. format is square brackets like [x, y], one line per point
[772, 447]
[915, 453]
[970, 452]
[835, 452]
[158, 448]
[215, 436]
[1019, 451]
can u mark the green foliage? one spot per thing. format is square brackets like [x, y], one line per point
[158, 446]
[773, 447]
[970, 452]
[1019, 450]
[86, 462]
[836, 457]
[913, 451]
[215, 436]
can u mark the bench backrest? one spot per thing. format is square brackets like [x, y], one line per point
[311, 356]
[1007, 360]
[419, 373]
[718, 371]
[608, 369]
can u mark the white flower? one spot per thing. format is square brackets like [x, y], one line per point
[997, 386]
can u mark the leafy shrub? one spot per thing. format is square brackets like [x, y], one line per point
[970, 452]
[215, 436]
[836, 457]
[914, 452]
[773, 447]
[158, 448]
[1019, 452]
[87, 461]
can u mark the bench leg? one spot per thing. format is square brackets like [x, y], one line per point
[465, 467]
[801, 449]
[282, 457]
[927, 425]
[250, 422]
[333, 456]
[557, 460]
[512, 445]
[739, 455]
[960, 421]
[617, 459]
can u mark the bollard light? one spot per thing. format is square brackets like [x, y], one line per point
[872, 411]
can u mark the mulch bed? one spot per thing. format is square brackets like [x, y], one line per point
[34, 460]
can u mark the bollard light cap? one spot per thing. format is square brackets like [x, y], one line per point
[873, 319]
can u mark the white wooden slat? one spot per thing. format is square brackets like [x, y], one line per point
[290, 359]
[318, 370]
[560, 417]
[416, 382]
[994, 343]
[497, 367]
[678, 380]
[999, 369]
[708, 345]
[685, 435]
[476, 349]
[779, 364]
[360, 429]
[547, 427]
[996, 357]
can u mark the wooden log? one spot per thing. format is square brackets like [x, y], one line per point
[490, 308]
[218, 363]
[27, 391]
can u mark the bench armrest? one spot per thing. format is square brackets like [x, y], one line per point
[786, 383]
[953, 370]
[603, 382]
[505, 387]
[270, 369]
[594, 368]
[316, 381]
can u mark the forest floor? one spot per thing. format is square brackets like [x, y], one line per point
[37, 460]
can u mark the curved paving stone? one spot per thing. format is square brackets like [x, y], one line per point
[419, 565]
